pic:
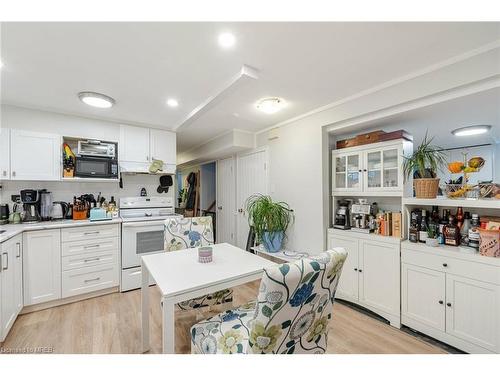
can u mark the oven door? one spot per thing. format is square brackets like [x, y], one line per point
[140, 238]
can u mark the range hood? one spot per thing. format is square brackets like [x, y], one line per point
[127, 167]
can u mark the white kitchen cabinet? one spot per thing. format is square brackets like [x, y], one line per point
[134, 144]
[373, 169]
[42, 266]
[4, 154]
[370, 276]
[163, 146]
[11, 285]
[34, 155]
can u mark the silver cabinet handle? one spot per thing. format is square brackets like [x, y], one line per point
[6, 266]
[88, 281]
[219, 208]
[5, 173]
[14, 173]
[91, 246]
[18, 255]
[91, 260]
[87, 233]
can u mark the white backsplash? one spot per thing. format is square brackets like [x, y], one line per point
[65, 191]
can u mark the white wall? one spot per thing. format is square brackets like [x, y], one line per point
[299, 171]
[35, 120]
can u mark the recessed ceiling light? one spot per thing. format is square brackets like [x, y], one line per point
[172, 103]
[270, 105]
[95, 99]
[226, 40]
[471, 130]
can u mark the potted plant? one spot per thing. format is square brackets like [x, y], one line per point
[431, 239]
[423, 165]
[269, 219]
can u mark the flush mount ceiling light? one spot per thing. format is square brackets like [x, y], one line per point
[471, 130]
[226, 40]
[270, 105]
[172, 103]
[95, 99]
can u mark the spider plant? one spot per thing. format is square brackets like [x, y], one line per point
[267, 216]
[425, 161]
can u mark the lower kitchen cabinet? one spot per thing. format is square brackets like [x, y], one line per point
[11, 285]
[454, 298]
[371, 273]
[42, 266]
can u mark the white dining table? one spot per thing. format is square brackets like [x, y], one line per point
[180, 277]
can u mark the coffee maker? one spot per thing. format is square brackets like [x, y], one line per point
[31, 205]
[361, 212]
[342, 216]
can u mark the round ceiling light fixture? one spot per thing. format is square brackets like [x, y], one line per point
[270, 105]
[172, 103]
[471, 130]
[95, 99]
[226, 40]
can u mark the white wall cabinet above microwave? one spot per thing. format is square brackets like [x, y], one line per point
[142, 145]
[370, 169]
[34, 156]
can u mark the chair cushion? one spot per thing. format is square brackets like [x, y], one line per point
[225, 333]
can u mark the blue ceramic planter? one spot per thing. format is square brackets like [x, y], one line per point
[272, 241]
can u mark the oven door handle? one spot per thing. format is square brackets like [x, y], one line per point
[144, 223]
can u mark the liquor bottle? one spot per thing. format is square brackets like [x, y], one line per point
[451, 233]
[464, 230]
[413, 235]
[435, 215]
[459, 217]
[422, 231]
[474, 232]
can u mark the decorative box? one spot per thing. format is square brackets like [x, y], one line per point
[489, 244]
[205, 254]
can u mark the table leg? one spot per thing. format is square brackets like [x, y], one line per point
[168, 326]
[145, 308]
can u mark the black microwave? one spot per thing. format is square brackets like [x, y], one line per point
[88, 166]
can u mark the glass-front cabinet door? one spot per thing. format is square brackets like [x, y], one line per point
[383, 169]
[347, 172]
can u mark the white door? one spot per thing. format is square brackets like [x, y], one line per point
[8, 290]
[42, 266]
[134, 144]
[251, 171]
[473, 311]
[163, 146]
[423, 296]
[379, 275]
[4, 154]
[35, 156]
[226, 212]
[349, 279]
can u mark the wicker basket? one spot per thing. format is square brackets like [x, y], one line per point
[426, 188]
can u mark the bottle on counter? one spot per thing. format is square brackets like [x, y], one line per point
[451, 233]
[464, 230]
[459, 217]
[413, 232]
[424, 226]
[473, 235]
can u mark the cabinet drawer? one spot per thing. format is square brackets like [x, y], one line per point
[90, 232]
[89, 259]
[89, 279]
[90, 246]
[472, 270]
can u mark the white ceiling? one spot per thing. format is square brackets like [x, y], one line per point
[142, 64]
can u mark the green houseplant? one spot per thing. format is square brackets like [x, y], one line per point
[269, 219]
[423, 165]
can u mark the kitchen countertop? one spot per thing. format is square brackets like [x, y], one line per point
[12, 230]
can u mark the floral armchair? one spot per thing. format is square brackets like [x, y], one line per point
[192, 232]
[291, 314]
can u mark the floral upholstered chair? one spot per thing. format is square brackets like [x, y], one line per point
[192, 232]
[291, 314]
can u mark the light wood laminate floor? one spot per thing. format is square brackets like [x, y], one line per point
[111, 324]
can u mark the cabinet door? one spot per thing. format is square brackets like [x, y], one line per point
[18, 273]
[348, 283]
[379, 285]
[35, 156]
[473, 311]
[347, 172]
[423, 296]
[42, 266]
[4, 154]
[134, 144]
[383, 169]
[8, 287]
[163, 146]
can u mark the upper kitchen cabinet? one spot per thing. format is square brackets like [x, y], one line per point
[143, 145]
[4, 154]
[373, 169]
[34, 155]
